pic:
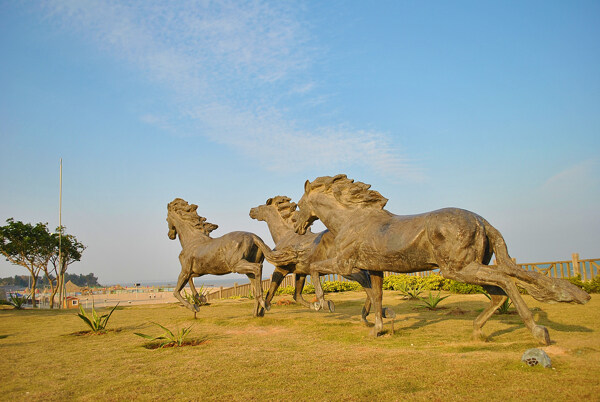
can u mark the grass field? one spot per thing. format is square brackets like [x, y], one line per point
[296, 354]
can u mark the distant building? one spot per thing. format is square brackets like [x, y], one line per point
[72, 302]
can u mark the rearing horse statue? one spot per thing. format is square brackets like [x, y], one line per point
[457, 242]
[239, 252]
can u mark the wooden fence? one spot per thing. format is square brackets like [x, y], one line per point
[587, 269]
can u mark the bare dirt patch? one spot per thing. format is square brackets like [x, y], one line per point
[555, 350]
[256, 331]
[193, 342]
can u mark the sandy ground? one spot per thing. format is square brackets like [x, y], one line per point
[130, 299]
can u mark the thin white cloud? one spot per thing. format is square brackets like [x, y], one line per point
[573, 178]
[228, 64]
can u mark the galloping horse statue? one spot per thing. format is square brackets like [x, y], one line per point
[279, 214]
[457, 242]
[239, 252]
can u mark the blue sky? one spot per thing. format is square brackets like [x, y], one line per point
[488, 106]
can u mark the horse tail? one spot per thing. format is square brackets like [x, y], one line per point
[539, 286]
[282, 257]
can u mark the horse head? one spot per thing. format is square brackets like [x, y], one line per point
[172, 229]
[279, 204]
[305, 215]
[334, 193]
[180, 213]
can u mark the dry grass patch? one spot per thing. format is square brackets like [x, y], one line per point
[297, 354]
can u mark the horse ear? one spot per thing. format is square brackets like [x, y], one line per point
[306, 186]
[269, 201]
[340, 177]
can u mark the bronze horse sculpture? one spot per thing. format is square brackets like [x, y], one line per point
[457, 242]
[279, 214]
[239, 252]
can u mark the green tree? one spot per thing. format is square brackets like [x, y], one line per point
[27, 245]
[70, 251]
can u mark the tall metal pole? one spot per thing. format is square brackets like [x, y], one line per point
[61, 278]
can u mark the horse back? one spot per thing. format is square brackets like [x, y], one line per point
[222, 253]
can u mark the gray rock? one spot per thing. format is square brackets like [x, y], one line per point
[533, 357]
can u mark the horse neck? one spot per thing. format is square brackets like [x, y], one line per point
[332, 214]
[277, 225]
[188, 234]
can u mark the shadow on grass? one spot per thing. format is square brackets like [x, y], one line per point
[463, 311]
[191, 342]
[558, 326]
[90, 332]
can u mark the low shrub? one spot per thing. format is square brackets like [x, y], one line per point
[433, 282]
[335, 286]
[462, 288]
[290, 290]
[592, 286]
[430, 282]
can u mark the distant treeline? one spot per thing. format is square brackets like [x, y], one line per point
[89, 280]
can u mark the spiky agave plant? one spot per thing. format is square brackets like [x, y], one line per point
[18, 301]
[169, 337]
[196, 300]
[432, 300]
[412, 292]
[94, 321]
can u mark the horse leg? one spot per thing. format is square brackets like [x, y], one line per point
[299, 286]
[184, 277]
[363, 278]
[366, 309]
[254, 272]
[278, 275]
[195, 294]
[486, 275]
[377, 299]
[316, 269]
[320, 294]
[497, 297]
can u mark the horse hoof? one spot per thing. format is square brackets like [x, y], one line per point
[261, 312]
[541, 334]
[375, 332]
[331, 306]
[268, 306]
[388, 313]
[316, 306]
[479, 336]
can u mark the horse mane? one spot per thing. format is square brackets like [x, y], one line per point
[348, 192]
[285, 208]
[187, 212]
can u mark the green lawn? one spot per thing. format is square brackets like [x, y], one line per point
[294, 353]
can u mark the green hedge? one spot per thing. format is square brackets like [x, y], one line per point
[430, 282]
[592, 286]
[328, 286]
